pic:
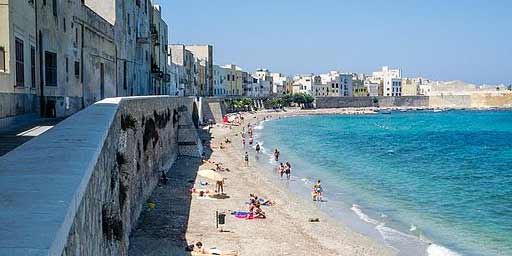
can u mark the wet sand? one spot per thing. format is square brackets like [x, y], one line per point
[180, 219]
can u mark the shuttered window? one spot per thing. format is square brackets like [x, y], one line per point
[2, 59]
[50, 61]
[20, 63]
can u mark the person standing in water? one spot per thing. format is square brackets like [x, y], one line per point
[288, 170]
[317, 191]
[258, 148]
[276, 155]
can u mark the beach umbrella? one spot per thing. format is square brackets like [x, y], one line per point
[210, 174]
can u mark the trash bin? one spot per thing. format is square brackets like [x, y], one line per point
[221, 218]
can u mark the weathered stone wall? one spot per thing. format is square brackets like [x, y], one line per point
[79, 188]
[353, 102]
[14, 104]
[445, 101]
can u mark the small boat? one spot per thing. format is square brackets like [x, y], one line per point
[385, 112]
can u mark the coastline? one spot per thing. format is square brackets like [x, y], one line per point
[285, 231]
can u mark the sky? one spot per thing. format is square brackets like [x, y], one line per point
[439, 39]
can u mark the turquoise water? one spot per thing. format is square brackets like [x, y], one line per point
[440, 177]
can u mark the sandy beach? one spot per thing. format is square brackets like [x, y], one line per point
[180, 218]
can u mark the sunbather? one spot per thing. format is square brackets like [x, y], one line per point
[198, 249]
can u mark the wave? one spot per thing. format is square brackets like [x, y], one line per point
[395, 236]
[260, 126]
[438, 250]
[355, 208]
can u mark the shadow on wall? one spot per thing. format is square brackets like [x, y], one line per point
[163, 223]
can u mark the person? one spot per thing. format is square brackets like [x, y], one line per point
[258, 148]
[243, 142]
[317, 191]
[281, 169]
[199, 249]
[251, 140]
[220, 186]
[276, 155]
[288, 170]
[246, 159]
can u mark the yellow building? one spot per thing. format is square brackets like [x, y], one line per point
[234, 80]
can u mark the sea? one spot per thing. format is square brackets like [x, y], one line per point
[422, 182]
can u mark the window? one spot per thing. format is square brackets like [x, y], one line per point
[33, 66]
[67, 65]
[54, 6]
[20, 63]
[102, 80]
[64, 24]
[50, 61]
[2, 59]
[137, 2]
[125, 69]
[77, 69]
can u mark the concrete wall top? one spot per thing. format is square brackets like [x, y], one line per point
[43, 181]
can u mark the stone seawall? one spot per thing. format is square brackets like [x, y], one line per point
[79, 188]
[445, 101]
[358, 102]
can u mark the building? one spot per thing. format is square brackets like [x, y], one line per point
[219, 81]
[160, 77]
[303, 84]
[234, 80]
[77, 53]
[333, 84]
[133, 40]
[390, 80]
[281, 82]
[185, 62]
[410, 87]
[372, 87]
[204, 55]
[19, 76]
[359, 87]
[266, 85]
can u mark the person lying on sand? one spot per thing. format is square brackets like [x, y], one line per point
[198, 249]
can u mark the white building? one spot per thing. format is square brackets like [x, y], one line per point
[303, 84]
[219, 81]
[281, 82]
[391, 80]
[372, 87]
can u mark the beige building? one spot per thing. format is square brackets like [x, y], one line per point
[78, 57]
[185, 61]
[133, 41]
[19, 78]
[204, 56]
[234, 80]
[160, 77]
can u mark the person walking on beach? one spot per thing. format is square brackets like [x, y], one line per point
[243, 142]
[246, 159]
[258, 148]
[251, 140]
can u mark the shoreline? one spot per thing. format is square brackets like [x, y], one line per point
[285, 231]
